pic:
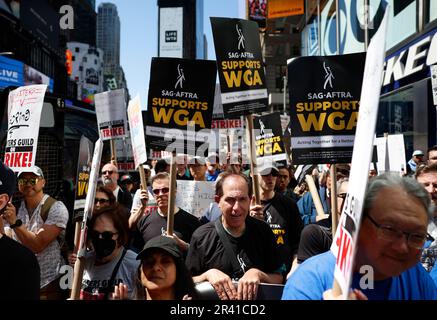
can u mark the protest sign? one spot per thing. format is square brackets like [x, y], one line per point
[324, 100]
[24, 115]
[195, 196]
[125, 159]
[345, 239]
[240, 64]
[268, 138]
[137, 131]
[111, 114]
[83, 175]
[180, 105]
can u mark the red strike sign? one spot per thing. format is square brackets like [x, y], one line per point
[112, 132]
[18, 159]
[344, 257]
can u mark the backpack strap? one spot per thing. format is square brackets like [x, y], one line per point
[238, 270]
[46, 207]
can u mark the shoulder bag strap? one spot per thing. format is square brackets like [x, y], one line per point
[114, 273]
[228, 249]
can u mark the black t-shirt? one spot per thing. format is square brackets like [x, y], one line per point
[19, 270]
[315, 239]
[282, 215]
[154, 224]
[254, 249]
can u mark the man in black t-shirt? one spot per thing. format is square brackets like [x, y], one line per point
[19, 267]
[280, 213]
[155, 224]
[235, 246]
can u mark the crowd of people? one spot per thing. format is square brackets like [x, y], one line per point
[236, 245]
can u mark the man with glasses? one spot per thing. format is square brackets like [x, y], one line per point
[426, 175]
[110, 181]
[395, 216]
[414, 162]
[155, 224]
[280, 213]
[41, 233]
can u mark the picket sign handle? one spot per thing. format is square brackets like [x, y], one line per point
[252, 158]
[171, 195]
[113, 152]
[142, 177]
[334, 216]
[315, 194]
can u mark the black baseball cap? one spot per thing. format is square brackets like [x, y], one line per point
[7, 180]
[161, 242]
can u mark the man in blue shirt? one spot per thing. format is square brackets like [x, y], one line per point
[395, 216]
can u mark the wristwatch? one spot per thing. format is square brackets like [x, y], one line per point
[17, 223]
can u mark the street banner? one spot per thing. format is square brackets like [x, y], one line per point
[83, 176]
[324, 100]
[137, 131]
[268, 138]
[195, 196]
[24, 115]
[240, 65]
[284, 8]
[345, 239]
[125, 158]
[111, 114]
[180, 105]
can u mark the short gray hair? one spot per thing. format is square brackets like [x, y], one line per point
[394, 180]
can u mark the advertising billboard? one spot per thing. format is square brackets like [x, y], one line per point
[170, 32]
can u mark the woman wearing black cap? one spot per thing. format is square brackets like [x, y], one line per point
[162, 274]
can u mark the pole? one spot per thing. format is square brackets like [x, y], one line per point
[285, 94]
[113, 152]
[142, 177]
[315, 194]
[334, 216]
[252, 157]
[171, 195]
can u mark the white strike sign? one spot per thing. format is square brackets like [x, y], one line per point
[24, 115]
[137, 131]
[345, 240]
[195, 196]
[111, 114]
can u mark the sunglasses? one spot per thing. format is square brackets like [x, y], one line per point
[109, 172]
[157, 192]
[105, 235]
[23, 181]
[101, 200]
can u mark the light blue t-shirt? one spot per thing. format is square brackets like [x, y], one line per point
[316, 275]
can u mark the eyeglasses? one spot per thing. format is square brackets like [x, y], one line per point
[105, 235]
[108, 172]
[157, 192]
[101, 200]
[23, 181]
[389, 233]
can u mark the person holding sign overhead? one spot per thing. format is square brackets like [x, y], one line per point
[155, 224]
[395, 217]
[40, 226]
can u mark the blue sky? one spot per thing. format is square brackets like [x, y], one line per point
[139, 36]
